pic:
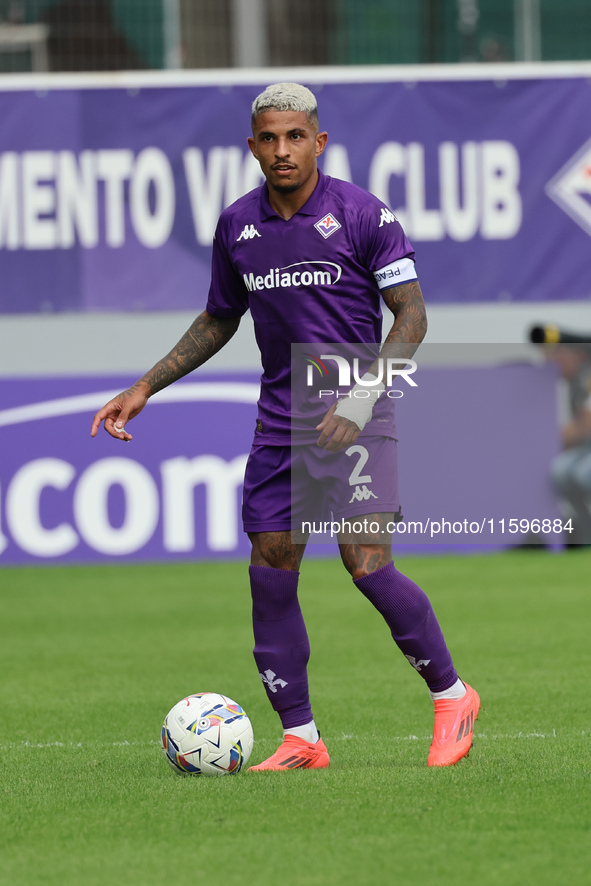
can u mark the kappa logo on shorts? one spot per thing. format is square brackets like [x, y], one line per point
[327, 225]
[362, 493]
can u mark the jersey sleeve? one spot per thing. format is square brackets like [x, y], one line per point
[388, 253]
[228, 296]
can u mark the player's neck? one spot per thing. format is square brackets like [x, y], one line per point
[286, 205]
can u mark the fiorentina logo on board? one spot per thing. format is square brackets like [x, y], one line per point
[327, 225]
[571, 187]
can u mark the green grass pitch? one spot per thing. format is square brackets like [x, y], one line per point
[91, 659]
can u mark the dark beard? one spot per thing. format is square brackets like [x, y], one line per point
[286, 189]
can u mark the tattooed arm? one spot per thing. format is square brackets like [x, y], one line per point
[410, 320]
[206, 336]
[407, 332]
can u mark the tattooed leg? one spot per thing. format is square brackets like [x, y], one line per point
[362, 560]
[276, 549]
[363, 553]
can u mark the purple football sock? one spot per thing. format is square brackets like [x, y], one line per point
[281, 648]
[415, 629]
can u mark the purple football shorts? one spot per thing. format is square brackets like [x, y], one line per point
[287, 485]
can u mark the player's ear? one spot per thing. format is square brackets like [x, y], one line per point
[321, 140]
[251, 145]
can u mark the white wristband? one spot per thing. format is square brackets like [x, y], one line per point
[358, 405]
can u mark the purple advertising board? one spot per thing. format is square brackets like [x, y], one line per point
[475, 445]
[109, 195]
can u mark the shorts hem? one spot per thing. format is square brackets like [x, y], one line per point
[268, 526]
[368, 509]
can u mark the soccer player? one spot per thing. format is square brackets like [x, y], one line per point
[310, 256]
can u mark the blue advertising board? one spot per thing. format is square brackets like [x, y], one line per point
[474, 454]
[109, 196]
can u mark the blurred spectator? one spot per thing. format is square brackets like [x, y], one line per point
[300, 31]
[493, 50]
[83, 37]
[571, 470]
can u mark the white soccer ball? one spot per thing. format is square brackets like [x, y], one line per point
[207, 734]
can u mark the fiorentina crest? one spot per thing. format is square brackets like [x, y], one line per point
[327, 225]
[571, 187]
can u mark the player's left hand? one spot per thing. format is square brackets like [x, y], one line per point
[336, 432]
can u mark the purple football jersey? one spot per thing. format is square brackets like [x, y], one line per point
[314, 278]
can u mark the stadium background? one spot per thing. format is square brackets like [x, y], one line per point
[82, 316]
[99, 35]
[93, 656]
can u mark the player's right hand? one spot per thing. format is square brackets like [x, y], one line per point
[337, 432]
[117, 412]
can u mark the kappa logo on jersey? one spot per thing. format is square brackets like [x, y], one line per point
[571, 187]
[387, 217]
[272, 681]
[362, 493]
[249, 233]
[327, 225]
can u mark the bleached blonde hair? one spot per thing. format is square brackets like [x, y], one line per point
[286, 97]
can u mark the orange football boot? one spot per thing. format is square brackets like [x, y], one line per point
[454, 728]
[295, 753]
